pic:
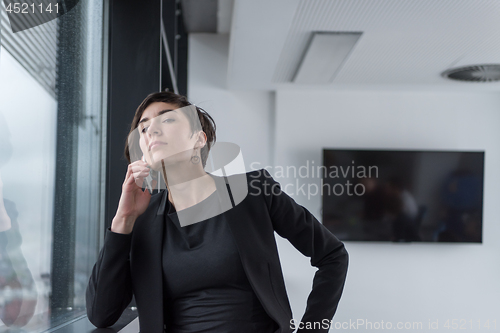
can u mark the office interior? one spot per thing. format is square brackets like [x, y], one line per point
[69, 89]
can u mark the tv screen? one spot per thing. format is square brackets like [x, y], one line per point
[403, 196]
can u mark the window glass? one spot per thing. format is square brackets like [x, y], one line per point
[52, 130]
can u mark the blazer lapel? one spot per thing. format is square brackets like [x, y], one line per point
[147, 266]
[251, 241]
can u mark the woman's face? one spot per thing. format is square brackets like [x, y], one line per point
[165, 134]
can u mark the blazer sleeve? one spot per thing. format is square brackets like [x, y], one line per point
[295, 223]
[109, 290]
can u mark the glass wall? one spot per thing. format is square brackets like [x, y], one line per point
[52, 133]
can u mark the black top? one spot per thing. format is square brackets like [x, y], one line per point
[205, 285]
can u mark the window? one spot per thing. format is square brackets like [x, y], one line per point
[52, 135]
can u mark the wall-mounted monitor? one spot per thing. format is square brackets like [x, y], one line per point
[403, 195]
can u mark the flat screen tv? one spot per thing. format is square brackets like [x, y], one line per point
[403, 196]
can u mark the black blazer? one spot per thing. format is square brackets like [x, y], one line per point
[131, 264]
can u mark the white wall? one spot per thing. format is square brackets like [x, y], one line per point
[241, 117]
[399, 282]
[386, 282]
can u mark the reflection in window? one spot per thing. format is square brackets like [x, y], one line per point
[51, 134]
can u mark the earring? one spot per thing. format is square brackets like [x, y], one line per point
[195, 159]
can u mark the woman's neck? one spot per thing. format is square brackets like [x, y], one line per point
[189, 187]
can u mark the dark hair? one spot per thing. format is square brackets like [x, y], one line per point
[206, 121]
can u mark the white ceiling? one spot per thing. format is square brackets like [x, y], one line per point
[405, 43]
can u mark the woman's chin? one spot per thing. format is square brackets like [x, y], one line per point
[167, 161]
[158, 156]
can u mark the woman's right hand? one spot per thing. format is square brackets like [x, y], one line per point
[133, 201]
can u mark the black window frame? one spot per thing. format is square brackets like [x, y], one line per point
[137, 65]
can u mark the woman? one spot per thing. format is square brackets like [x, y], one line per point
[218, 273]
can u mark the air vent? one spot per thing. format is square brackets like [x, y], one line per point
[475, 73]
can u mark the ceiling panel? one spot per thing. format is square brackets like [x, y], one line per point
[404, 43]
